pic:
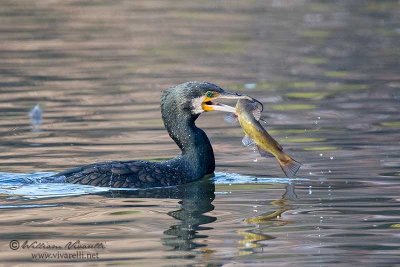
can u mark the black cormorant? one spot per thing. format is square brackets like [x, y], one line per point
[181, 105]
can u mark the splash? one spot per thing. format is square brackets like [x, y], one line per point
[44, 185]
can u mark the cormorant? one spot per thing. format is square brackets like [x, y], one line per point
[181, 105]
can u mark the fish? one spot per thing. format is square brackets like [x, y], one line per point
[249, 116]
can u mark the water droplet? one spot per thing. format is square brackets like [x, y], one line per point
[310, 190]
[331, 157]
[319, 118]
[255, 160]
[321, 154]
[36, 116]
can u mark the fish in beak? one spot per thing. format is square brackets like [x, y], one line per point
[210, 102]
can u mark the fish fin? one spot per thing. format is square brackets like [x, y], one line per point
[289, 194]
[257, 114]
[264, 153]
[256, 110]
[231, 118]
[247, 141]
[290, 166]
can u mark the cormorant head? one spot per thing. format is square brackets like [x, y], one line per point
[193, 98]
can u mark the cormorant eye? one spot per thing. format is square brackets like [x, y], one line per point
[209, 94]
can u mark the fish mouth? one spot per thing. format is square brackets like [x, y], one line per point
[211, 104]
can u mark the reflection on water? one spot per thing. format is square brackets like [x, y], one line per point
[195, 202]
[252, 238]
[326, 71]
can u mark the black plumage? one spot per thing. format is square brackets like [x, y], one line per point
[179, 115]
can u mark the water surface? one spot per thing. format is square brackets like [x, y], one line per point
[327, 73]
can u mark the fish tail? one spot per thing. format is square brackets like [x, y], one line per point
[289, 166]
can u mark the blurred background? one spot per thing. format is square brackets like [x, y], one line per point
[97, 69]
[80, 82]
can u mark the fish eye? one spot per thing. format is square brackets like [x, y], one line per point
[209, 94]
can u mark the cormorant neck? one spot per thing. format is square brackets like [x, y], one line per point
[193, 142]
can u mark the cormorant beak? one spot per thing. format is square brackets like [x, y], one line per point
[211, 105]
